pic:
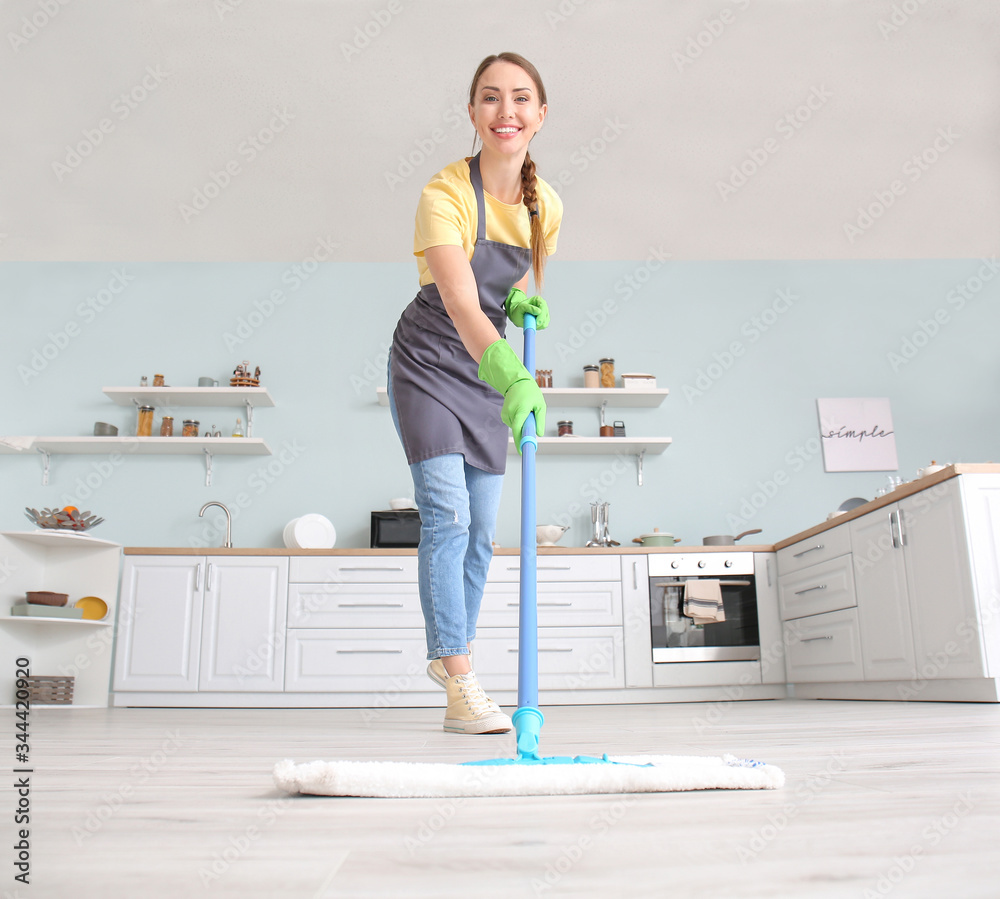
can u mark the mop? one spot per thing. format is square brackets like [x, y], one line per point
[529, 774]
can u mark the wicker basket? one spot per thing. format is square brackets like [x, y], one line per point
[50, 690]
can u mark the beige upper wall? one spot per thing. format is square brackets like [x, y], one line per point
[651, 106]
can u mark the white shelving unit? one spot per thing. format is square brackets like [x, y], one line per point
[160, 398]
[70, 563]
[596, 398]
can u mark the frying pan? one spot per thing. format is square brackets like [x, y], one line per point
[727, 539]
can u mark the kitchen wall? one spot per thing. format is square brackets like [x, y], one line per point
[766, 203]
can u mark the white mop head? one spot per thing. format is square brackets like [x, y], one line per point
[412, 780]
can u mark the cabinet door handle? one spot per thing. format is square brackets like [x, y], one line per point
[549, 649]
[197, 577]
[899, 527]
[370, 605]
[516, 604]
[378, 651]
[373, 568]
[809, 589]
[635, 575]
[541, 567]
[208, 579]
[811, 549]
[810, 639]
[892, 530]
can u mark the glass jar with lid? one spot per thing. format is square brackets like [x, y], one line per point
[144, 425]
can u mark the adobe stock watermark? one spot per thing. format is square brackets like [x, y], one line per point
[246, 153]
[556, 15]
[624, 289]
[31, 27]
[87, 312]
[913, 170]
[122, 106]
[699, 42]
[378, 21]
[112, 802]
[238, 844]
[904, 865]
[902, 13]
[789, 125]
[422, 148]
[768, 488]
[586, 154]
[752, 329]
[803, 796]
[292, 278]
[926, 329]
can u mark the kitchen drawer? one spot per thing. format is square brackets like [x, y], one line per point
[559, 605]
[354, 605]
[362, 661]
[824, 546]
[569, 658]
[559, 568]
[353, 569]
[819, 588]
[824, 648]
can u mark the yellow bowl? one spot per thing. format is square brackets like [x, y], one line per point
[93, 607]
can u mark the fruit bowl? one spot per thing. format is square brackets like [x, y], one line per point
[68, 519]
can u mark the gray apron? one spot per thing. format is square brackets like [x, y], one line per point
[442, 405]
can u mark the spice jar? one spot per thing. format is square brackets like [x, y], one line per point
[591, 376]
[543, 377]
[190, 427]
[158, 381]
[565, 429]
[144, 427]
[607, 372]
[167, 426]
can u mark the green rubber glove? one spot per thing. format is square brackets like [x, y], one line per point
[517, 304]
[502, 370]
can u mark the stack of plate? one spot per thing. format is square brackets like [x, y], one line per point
[310, 532]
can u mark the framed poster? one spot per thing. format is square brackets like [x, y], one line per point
[857, 434]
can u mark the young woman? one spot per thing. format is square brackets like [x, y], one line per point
[456, 387]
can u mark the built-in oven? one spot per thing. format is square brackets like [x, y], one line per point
[681, 637]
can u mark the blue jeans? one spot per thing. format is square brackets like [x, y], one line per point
[458, 506]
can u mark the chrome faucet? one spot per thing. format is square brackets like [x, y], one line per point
[229, 522]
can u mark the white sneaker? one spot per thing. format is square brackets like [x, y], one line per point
[470, 710]
[437, 673]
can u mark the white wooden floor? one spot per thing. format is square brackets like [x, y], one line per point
[899, 799]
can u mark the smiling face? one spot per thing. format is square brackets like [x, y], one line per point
[506, 109]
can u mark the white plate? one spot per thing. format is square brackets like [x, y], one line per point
[310, 531]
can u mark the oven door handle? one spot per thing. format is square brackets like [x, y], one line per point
[722, 582]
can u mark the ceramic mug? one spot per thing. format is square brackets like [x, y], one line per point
[207, 382]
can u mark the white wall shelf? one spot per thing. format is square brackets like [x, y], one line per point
[76, 622]
[190, 396]
[600, 446]
[625, 397]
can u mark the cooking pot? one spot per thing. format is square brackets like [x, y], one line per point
[727, 539]
[657, 538]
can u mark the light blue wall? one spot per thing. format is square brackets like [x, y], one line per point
[322, 353]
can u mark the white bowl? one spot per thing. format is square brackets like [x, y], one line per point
[310, 531]
[402, 502]
[549, 534]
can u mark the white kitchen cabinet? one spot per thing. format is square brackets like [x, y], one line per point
[159, 623]
[197, 623]
[883, 598]
[62, 562]
[243, 628]
[824, 648]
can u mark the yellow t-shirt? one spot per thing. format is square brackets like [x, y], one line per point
[447, 216]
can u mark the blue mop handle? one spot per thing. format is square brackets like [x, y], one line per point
[527, 718]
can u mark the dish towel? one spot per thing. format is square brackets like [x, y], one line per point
[703, 601]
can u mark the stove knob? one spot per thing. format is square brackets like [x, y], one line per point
[729, 563]
[701, 564]
[674, 564]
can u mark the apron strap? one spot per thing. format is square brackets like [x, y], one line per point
[476, 177]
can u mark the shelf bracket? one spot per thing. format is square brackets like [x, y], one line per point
[208, 469]
[638, 460]
[249, 418]
[45, 467]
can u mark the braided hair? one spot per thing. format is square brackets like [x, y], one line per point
[529, 183]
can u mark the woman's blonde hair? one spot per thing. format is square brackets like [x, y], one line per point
[529, 182]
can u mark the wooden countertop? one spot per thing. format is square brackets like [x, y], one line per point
[498, 551]
[899, 493]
